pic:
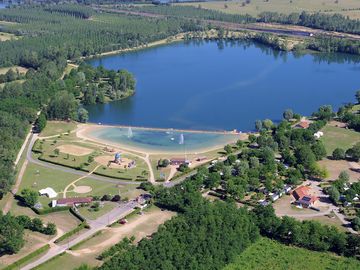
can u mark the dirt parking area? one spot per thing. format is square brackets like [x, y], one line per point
[74, 150]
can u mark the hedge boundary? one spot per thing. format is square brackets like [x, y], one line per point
[23, 260]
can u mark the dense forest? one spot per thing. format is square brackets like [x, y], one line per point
[49, 37]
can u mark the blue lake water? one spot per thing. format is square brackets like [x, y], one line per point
[225, 86]
[162, 141]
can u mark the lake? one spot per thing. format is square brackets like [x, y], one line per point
[225, 85]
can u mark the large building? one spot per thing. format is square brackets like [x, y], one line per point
[303, 197]
[71, 201]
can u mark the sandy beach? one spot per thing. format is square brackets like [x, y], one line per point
[84, 132]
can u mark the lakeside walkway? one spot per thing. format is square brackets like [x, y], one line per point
[222, 132]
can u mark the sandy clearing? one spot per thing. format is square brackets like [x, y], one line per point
[140, 227]
[335, 167]
[108, 160]
[74, 150]
[82, 189]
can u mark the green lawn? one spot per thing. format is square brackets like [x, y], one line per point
[266, 254]
[55, 127]
[87, 211]
[339, 137]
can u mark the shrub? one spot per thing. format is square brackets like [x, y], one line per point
[338, 154]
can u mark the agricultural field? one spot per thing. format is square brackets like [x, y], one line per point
[255, 7]
[335, 137]
[268, 254]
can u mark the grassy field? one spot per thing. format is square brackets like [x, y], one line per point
[54, 128]
[76, 160]
[7, 36]
[339, 137]
[21, 70]
[283, 6]
[87, 211]
[267, 254]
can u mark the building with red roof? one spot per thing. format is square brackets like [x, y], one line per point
[303, 124]
[303, 197]
[72, 201]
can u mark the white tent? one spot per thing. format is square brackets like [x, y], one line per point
[48, 192]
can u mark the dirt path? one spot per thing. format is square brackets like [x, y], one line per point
[72, 184]
[173, 171]
[15, 189]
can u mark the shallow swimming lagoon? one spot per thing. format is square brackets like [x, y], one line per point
[225, 86]
[169, 141]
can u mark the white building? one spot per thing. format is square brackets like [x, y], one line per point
[48, 192]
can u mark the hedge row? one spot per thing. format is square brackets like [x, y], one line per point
[50, 210]
[77, 215]
[27, 258]
[81, 226]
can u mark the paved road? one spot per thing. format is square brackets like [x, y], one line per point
[95, 226]
[70, 170]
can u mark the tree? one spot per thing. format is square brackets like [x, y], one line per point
[288, 114]
[83, 115]
[62, 106]
[56, 151]
[357, 95]
[334, 194]
[258, 125]
[355, 222]
[213, 180]
[106, 197]
[344, 177]
[90, 159]
[37, 225]
[50, 229]
[252, 138]
[354, 152]
[338, 154]
[267, 124]
[29, 197]
[11, 234]
[325, 112]
[116, 198]
[40, 123]
[228, 149]
[319, 150]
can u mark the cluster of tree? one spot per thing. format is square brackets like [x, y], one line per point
[307, 234]
[206, 236]
[352, 153]
[193, 13]
[97, 85]
[348, 115]
[12, 231]
[330, 22]
[10, 76]
[78, 11]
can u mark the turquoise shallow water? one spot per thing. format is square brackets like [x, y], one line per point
[162, 141]
[225, 86]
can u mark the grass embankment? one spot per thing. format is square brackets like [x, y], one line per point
[335, 137]
[268, 254]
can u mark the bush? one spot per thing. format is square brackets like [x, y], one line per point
[106, 197]
[338, 154]
[116, 198]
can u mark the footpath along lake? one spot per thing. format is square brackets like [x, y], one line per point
[225, 86]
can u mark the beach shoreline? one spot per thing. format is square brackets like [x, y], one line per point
[84, 132]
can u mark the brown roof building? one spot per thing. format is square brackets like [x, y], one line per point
[73, 201]
[303, 197]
